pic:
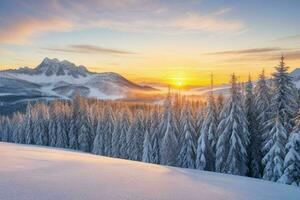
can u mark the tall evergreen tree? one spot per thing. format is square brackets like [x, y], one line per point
[187, 154]
[291, 174]
[98, 144]
[123, 133]
[169, 143]
[274, 159]
[284, 98]
[207, 141]
[147, 148]
[136, 138]
[254, 150]
[231, 154]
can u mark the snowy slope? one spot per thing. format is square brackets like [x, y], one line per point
[36, 173]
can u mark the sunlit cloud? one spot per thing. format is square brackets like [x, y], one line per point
[255, 54]
[36, 18]
[248, 51]
[21, 31]
[290, 38]
[88, 49]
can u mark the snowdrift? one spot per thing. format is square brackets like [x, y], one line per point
[40, 173]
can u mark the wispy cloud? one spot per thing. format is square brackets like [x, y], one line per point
[255, 54]
[290, 38]
[88, 49]
[21, 31]
[191, 22]
[248, 51]
[33, 17]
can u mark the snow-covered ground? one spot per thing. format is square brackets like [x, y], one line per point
[38, 173]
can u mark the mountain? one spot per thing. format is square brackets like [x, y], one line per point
[54, 79]
[46, 173]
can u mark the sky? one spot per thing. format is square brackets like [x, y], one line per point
[154, 41]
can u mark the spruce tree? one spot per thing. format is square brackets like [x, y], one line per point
[207, 141]
[169, 143]
[254, 150]
[147, 148]
[187, 154]
[291, 174]
[231, 154]
[284, 98]
[98, 144]
[274, 158]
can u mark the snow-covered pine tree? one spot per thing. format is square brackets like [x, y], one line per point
[274, 159]
[52, 125]
[98, 144]
[6, 130]
[254, 150]
[108, 129]
[147, 148]
[169, 143]
[155, 137]
[116, 145]
[231, 149]
[284, 98]
[220, 103]
[207, 141]
[136, 138]
[76, 120]
[84, 138]
[28, 125]
[61, 132]
[291, 174]
[187, 154]
[125, 123]
[40, 128]
[262, 105]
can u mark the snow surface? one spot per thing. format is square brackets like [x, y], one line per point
[40, 173]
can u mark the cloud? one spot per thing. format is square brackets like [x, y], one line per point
[20, 32]
[214, 22]
[89, 49]
[248, 51]
[185, 23]
[255, 54]
[290, 38]
[25, 20]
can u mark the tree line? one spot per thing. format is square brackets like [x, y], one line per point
[253, 131]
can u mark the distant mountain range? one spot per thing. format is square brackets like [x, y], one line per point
[54, 79]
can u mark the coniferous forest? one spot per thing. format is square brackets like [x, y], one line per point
[254, 131]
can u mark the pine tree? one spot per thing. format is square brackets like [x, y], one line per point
[84, 138]
[98, 144]
[291, 174]
[123, 133]
[155, 137]
[116, 145]
[76, 121]
[40, 129]
[169, 144]
[262, 105]
[147, 148]
[108, 129]
[28, 126]
[187, 154]
[207, 141]
[136, 138]
[231, 154]
[284, 98]
[254, 150]
[274, 159]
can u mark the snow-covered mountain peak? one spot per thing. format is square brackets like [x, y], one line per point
[51, 67]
